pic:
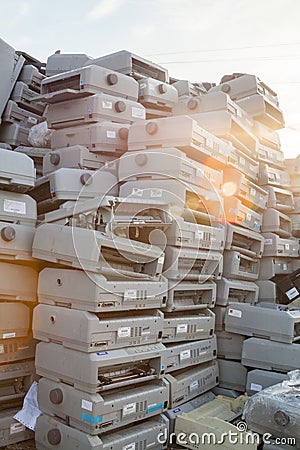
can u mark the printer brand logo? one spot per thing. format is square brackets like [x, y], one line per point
[133, 233]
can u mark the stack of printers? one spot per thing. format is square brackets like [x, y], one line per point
[244, 203]
[17, 290]
[288, 287]
[165, 249]
[165, 163]
[272, 329]
[102, 359]
[90, 110]
[20, 85]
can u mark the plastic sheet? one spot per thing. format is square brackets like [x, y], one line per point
[40, 135]
[276, 410]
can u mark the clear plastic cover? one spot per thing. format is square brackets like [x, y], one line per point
[276, 409]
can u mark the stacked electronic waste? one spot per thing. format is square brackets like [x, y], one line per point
[179, 351]
[165, 245]
[21, 80]
[18, 287]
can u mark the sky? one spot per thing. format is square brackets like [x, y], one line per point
[198, 40]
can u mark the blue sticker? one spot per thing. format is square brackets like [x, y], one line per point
[101, 353]
[176, 410]
[87, 418]
[162, 367]
[155, 407]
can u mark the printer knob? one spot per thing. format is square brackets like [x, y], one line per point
[162, 89]
[8, 234]
[86, 179]
[123, 133]
[141, 159]
[226, 88]
[56, 396]
[192, 104]
[281, 418]
[112, 79]
[54, 159]
[151, 128]
[54, 436]
[120, 106]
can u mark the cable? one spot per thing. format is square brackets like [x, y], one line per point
[254, 58]
[223, 49]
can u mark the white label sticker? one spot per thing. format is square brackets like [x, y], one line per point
[235, 313]
[284, 267]
[194, 385]
[32, 120]
[186, 354]
[287, 246]
[156, 193]
[85, 404]
[209, 143]
[200, 234]
[248, 216]
[107, 105]
[268, 241]
[16, 428]
[124, 332]
[182, 328]
[294, 314]
[161, 259]
[1, 348]
[129, 446]
[8, 335]
[130, 408]
[252, 192]
[137, 192]
[14, 206]
[130, 294]
[111, 134]
[292, 293]
[255, 387]
[138, 113]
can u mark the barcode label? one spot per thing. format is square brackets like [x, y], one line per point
[182, 328]
[130, 408]
[138, 113]
[85, 404]
[111, 134]
[124, 332]
[16, 428]
[156, 193]
[235, 313]
[255, 387]
[194, 385]
[107, 105]
[186, 354]
[130, 293]
[129, 446]
[292, 293]
[9, 335]
[13, 206]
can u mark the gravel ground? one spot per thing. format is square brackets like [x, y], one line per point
[27, 445]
